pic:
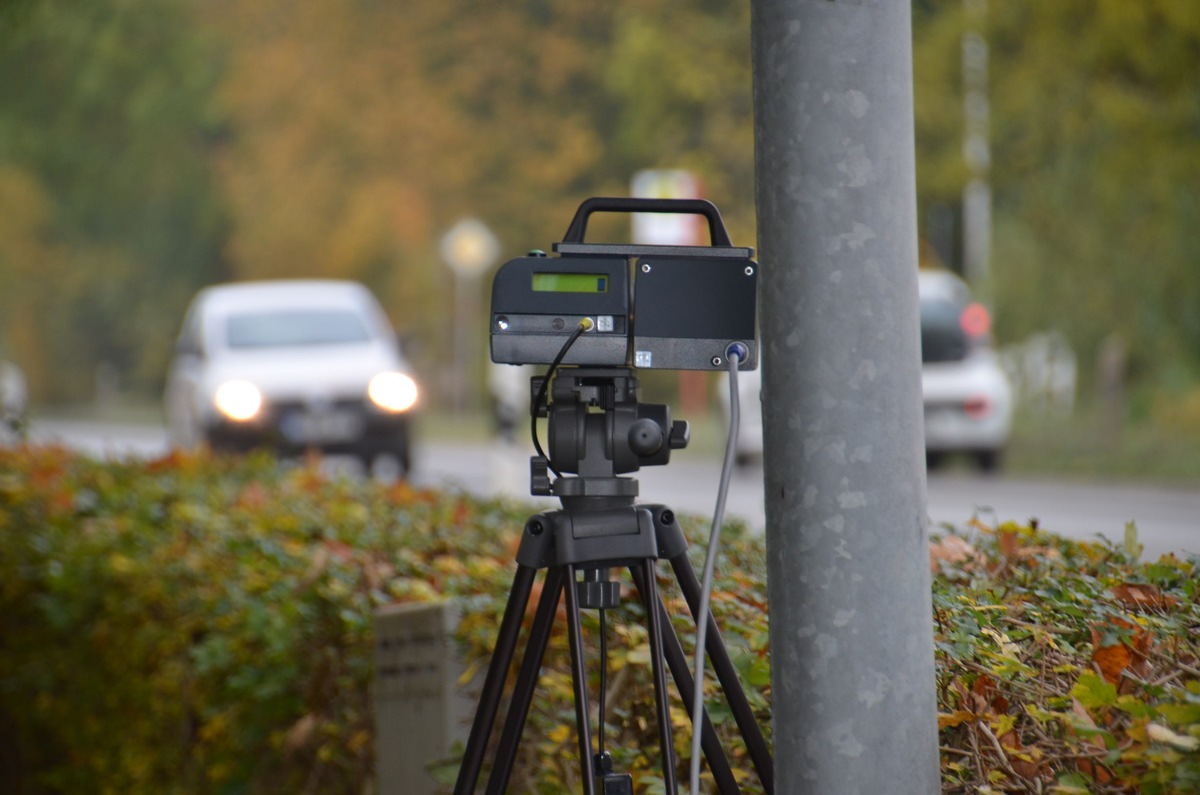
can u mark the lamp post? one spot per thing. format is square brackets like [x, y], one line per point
[977, 195]
[468, 248]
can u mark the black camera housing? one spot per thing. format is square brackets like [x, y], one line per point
[652, 307]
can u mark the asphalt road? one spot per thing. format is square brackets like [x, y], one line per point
[1168, 519]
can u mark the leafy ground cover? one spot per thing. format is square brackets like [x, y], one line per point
[200, 624]
[1065, 667]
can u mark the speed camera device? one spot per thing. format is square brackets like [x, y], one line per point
[649, 307]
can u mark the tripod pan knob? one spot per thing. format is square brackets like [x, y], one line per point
[645, 437]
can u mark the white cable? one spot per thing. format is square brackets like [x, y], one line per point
[710, 559]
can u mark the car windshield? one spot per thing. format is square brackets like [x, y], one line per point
[942, 335]
[295, 327]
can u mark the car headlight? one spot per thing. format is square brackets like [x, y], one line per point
[393, 391]
[240, 401]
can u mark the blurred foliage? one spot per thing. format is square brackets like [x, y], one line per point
[1090, 444]
[197, 624]
[200, 624]
[150, 147]
[1095, 130]
[111, 213]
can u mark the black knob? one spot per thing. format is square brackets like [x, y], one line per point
[645, 437]
[681, 434]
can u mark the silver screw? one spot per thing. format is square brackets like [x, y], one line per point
[749, 271]
[645, 267]
[716, 361]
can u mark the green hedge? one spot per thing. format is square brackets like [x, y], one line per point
[203, 625]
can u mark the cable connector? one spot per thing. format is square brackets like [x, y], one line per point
[611, 783]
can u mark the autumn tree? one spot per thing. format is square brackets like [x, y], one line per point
[1095, 155]
[156, 146]
[106, 133]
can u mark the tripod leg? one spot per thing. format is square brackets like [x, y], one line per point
[651, 599]
[579, 680]
[522, 697]
[718, 762]
[760, 755]
[493, 683]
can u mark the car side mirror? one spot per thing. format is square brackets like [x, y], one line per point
[188, 348]
[409, 342]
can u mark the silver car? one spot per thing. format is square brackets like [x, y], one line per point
[291, 365]
[967, 396]
[968, 399]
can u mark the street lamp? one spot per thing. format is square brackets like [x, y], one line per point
[468, 248]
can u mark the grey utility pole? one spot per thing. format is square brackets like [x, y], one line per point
[848, 561]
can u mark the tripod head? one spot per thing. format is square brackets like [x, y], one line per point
[598, 431]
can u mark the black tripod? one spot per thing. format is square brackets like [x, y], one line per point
[600, 528]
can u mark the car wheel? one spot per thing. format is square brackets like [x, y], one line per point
[387, 467]
[988, 461]
[934, 460]
[401, 448]
[392, 460]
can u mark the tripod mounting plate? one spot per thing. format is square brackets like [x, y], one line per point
[597, 538]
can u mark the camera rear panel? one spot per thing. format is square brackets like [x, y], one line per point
[651, 306]
[689, 310]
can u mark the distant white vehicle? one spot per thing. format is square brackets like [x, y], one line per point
[13, 399]
[968, 399]
[291, 365]
[967, 396]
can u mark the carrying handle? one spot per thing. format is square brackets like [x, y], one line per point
[718, 236]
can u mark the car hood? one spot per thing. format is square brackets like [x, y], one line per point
[324, 372]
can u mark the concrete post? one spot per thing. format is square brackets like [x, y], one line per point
[421, 710]
[848, 561]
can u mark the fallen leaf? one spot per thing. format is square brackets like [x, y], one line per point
[1161, 734]
[1142, 595]
[948, 720]
[987, 697]
[1025, 761]
[951, 550]
[1132, 655]
[1009, 541]
[1111, 660]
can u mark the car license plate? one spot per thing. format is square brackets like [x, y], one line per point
[318, 427]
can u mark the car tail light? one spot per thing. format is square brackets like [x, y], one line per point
[977, 407]
[975, 320]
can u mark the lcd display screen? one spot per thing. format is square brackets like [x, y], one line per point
[570, 283]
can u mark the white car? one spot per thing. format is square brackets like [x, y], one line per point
[291, 365]
[968, 400]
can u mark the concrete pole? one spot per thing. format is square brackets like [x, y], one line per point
[848, 561]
